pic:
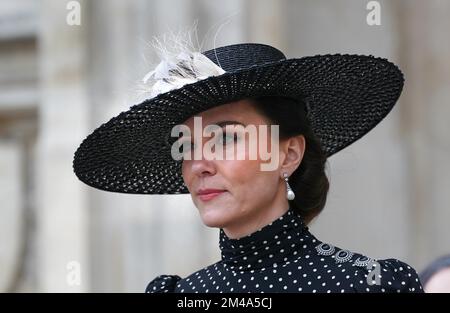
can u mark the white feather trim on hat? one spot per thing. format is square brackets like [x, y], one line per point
[178, 68]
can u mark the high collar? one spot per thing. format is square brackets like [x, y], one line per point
[274, 243]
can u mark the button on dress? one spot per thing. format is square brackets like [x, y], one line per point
[284, 256]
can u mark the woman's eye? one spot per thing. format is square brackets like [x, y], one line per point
[228, 138]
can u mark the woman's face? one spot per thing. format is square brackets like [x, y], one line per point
[250, 197]
[439, 282]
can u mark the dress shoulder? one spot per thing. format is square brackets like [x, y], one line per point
[163, 284]
[365, 274]
[391, 275]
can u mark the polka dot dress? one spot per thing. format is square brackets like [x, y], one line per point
[285, 257]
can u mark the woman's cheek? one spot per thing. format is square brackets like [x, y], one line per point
[241, 175]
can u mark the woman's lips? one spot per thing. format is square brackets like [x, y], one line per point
[210, 195]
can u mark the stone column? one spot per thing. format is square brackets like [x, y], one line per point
[425, 51]
[61, 213]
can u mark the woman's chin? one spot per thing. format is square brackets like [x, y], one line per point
[214, 218]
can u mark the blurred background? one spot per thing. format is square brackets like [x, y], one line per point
[59, 81]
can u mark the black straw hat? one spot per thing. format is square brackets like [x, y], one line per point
[346, 96]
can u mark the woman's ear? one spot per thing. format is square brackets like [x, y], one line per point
[293, 149]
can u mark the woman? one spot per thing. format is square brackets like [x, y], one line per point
[321, 104]
[435, 278]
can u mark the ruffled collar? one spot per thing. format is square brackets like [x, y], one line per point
[275, 243]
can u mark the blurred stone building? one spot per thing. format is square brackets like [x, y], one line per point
[389, 191]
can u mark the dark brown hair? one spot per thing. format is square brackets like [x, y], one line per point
[309, 181]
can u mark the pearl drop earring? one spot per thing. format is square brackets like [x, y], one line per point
[290, 195]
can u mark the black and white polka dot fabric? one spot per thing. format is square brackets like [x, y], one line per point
[285, 257]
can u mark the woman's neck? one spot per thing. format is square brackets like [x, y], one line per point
[254, 222]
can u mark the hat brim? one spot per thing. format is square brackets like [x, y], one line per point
[347, 96]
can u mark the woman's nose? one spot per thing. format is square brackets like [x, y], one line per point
[203, 167]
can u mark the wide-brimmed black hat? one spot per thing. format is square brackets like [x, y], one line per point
[346, 96]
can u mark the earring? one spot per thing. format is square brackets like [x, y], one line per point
[290, 195]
